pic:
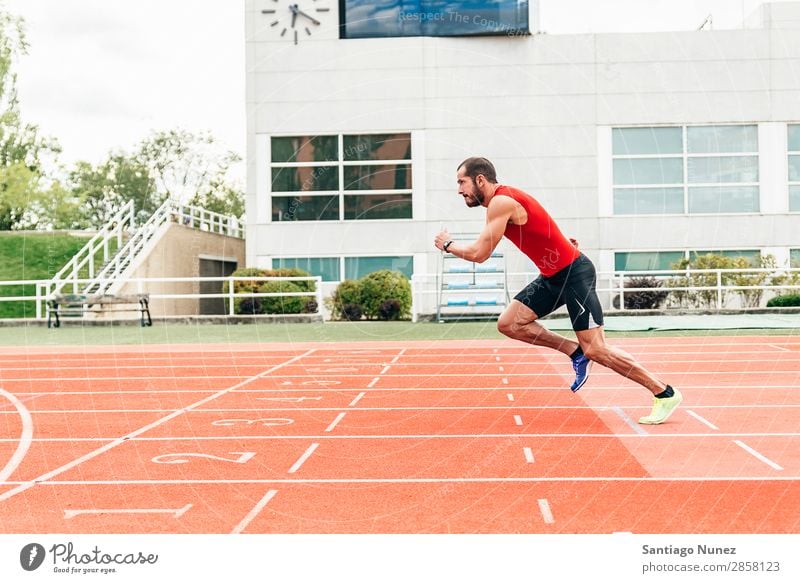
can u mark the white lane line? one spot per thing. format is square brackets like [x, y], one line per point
[198, 438]
[517, 420]
[505, 381]
[702, 420]
[303, 458]
[120, 440]
[510, 396]
[502, 368]
[385, 369]
[25, 438]
[254, 512]
[757, 455]
[544, 508]
[396, 358]
[496, 480]
[356, 400]
[373, 382]
[629, 422]
[528, 455]
[335, 422]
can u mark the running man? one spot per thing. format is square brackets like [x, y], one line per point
[567, 277]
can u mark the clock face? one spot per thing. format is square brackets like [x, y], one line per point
[295, 19]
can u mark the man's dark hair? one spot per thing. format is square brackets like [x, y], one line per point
[475, 166]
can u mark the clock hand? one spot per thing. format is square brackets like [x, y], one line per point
[301, 13]
[294, 11]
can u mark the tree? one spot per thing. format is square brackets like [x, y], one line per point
[22, 150]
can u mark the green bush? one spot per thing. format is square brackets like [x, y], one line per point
[347, 293]
[643, 300]
[282, 304]
[270, 305]
[380, 286]
[784, 301]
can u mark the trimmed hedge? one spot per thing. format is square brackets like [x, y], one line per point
[786, 301]
[382, 295]
[272, 305]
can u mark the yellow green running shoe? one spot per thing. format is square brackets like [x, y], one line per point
[662, 408]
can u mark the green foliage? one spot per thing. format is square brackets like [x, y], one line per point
[750, 298]
[643, 300]
[347, 293]
[282, 304]
[379, 286]
[784, 301]
[25, 256]
[271, 305]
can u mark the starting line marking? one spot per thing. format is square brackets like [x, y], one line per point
[702, 420]
[239, 528]
[528, 455]
[303, 458]
[335, 422]
[544, 508]
[356, 400]
[757, 455]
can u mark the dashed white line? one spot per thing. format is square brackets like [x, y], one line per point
[303, 458]
[385, 369]
[335, 421]
[356, 400]
[544, 508]
[779, 347]
[517, 420]
[373, 382]
[702, 420]
[528, 455]
[396, 358]
[757, 455]
[502, 368]
[510, 396]
[505, 381]
[254, 512]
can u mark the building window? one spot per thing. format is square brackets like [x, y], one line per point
[327, 268]
[358, 267]
[331, 268]
[390, 18]
[794, 258]
[688, 169]
[794, 167]
[341, 177]
[666, 260]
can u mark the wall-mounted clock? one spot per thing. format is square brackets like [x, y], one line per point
[294, 20]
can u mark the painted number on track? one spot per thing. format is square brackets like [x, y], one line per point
[180, 458]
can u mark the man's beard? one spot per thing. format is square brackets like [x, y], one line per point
[473, 200]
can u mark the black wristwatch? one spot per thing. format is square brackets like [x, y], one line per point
[446, 245]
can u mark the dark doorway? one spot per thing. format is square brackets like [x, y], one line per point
[214, 268]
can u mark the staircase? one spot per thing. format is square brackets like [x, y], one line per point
[80, 276]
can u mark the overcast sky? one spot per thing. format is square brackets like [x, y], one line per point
[101, 74]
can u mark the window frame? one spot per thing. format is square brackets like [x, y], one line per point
[685, 156]
[340, 164]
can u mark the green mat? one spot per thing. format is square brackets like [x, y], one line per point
[688, 322]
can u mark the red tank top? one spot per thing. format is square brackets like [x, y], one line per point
[539, 238]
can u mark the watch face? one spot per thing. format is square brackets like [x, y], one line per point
[295, 19]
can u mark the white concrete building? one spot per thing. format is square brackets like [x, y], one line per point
[644, 147]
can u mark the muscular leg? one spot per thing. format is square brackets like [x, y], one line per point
[593, 343]
[519, 322]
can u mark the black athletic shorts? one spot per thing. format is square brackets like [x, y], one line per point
[575, 286]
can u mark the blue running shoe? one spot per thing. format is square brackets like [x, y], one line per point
[582, 366]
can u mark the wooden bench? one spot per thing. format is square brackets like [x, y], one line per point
[79, 305]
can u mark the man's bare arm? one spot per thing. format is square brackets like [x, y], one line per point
[497, 216]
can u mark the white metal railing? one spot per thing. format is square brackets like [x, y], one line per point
[714, 284]
[84, 261]
[150, 285]
[112, 272]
